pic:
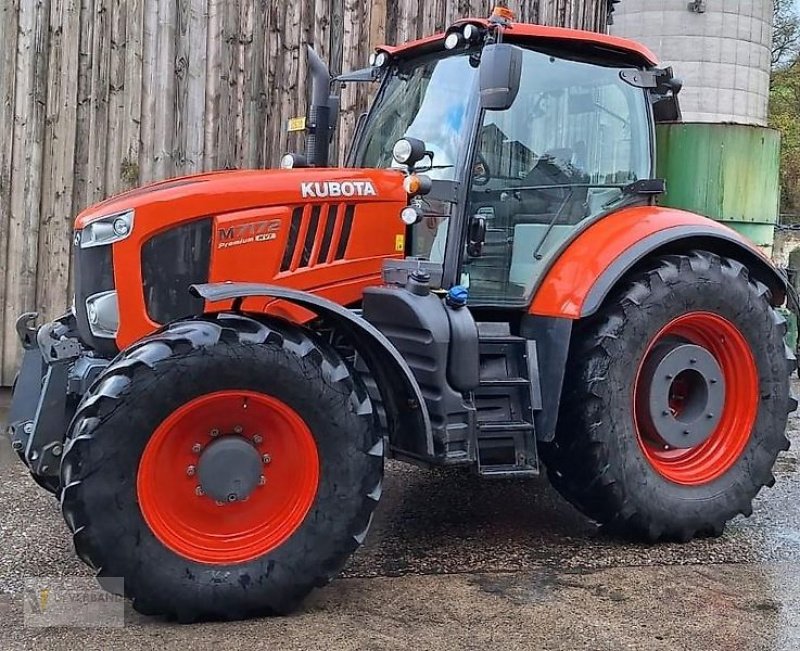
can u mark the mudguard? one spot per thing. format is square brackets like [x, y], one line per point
[592, 264]
[406, 416]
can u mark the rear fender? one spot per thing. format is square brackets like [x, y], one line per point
[594, 263]
[406, 417]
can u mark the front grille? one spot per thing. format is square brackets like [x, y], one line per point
[93, 273]
[171, 262]
[306, 229]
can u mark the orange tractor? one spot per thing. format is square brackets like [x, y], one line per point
[489, 283]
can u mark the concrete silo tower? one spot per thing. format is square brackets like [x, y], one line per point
[721, 49]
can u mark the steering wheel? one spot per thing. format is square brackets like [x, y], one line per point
[481, 174]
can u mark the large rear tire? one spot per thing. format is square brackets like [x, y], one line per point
[161, 475]
[675, 402]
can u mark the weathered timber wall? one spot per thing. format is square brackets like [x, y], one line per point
[97, 96]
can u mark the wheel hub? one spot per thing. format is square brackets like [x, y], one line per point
[686, 396]
[229, 469]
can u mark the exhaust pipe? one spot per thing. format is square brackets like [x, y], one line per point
[319, 115]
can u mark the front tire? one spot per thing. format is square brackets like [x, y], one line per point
[676, 401]
[161, 476]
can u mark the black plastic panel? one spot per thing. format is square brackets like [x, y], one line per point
[419, 328]
[94, 273]
[171, 262]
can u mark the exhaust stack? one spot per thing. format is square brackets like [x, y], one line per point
[320, 112]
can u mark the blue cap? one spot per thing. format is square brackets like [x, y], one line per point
[457, 296]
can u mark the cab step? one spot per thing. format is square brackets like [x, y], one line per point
[505, 400]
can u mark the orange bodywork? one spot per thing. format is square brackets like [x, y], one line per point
[532, 33]
[252, 213]
[567, 284]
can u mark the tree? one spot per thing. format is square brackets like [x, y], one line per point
[785, 116]
[784, 108]
[786, 34]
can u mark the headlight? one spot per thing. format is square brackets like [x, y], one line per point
[102, 311]
[106, 230]
[411, 215]
[408, 151]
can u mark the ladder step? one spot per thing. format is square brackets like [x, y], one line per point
[502, 427]
[502, 339]
[507, 471]
[505, 382]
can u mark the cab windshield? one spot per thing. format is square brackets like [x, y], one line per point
[425, 99]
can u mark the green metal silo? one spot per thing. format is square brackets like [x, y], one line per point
[725, 171]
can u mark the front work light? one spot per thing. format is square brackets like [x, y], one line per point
[106, 230]
[409, 151]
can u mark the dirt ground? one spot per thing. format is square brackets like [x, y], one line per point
[454, 562]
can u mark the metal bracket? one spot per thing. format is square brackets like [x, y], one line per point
[646, 187]
[57, 346]
[26, 329]
[697, 6]
[640, 78]
[44, 446]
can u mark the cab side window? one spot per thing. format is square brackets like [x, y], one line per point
[574, 138]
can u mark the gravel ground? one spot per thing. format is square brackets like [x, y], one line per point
[453, 561]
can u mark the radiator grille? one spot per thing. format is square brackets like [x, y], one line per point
[318, 234]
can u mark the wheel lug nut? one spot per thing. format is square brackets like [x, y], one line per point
[199, 491]
[17, 445]
[232, 497]
[257, 439]
[190, 471]
[709, 416]
[693, 360]
[262, 480]
[669, 377]
[237, 429]
[714, 380]
[666, 412]
[214, 433]
[266, 459]
[686, 432]
[196, 448]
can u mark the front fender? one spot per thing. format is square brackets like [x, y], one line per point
[589, 268]
[406, 415]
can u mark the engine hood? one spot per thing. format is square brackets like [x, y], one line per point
[214, 193]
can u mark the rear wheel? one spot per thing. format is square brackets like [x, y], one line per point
[223, 468]
[676, 401]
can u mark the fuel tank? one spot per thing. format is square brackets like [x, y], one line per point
[325, 230]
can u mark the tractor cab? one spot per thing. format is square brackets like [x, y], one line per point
[514, 173]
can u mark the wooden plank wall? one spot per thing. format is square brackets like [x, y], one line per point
[97, 96]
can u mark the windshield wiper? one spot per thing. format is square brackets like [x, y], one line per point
[537, 254]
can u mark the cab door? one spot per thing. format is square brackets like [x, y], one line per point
[560, 157]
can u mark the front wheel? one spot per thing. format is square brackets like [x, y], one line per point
[676, 401]
[223, 468]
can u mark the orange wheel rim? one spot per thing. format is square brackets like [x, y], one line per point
[716, 455]
[202, 529]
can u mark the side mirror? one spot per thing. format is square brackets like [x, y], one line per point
[666, 107]
[500, 74]
[476, 236]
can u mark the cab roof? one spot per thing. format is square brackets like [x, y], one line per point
[529, 34]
